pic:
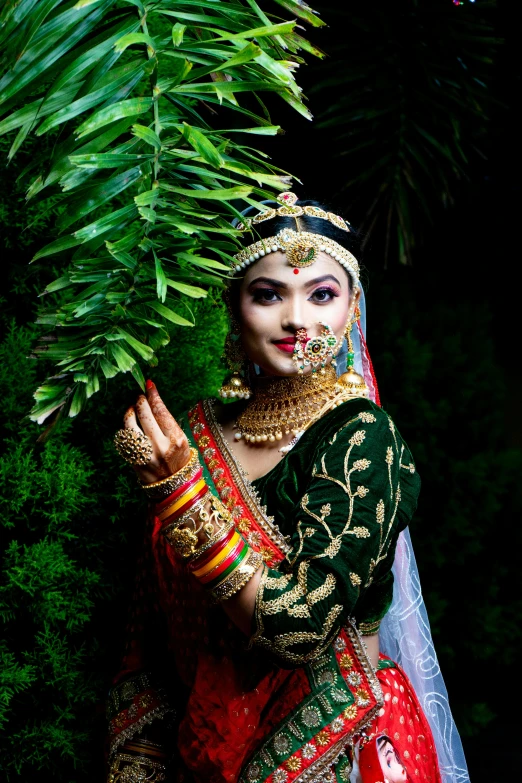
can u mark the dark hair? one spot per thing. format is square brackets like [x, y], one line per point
[350, 240]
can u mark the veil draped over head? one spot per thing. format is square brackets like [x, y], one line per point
[405, 635]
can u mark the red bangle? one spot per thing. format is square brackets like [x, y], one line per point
[171, 498]
[232, 566]
[185, 507]
[212, 552]
[226, 563]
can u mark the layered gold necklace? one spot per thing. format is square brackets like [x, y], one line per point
[284, 406]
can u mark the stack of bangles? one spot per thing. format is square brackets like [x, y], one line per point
[216, 554]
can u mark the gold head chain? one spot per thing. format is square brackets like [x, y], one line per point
[300, 247]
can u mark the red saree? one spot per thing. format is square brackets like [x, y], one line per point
[245, 719]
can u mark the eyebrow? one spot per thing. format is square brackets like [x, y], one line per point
[280, 284]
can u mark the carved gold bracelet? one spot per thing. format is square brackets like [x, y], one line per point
[159, 490]
[136, 769]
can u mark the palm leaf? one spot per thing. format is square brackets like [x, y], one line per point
[146, 186]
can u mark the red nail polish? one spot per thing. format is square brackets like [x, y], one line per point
[149, 385]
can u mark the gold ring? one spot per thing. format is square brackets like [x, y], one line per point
[133, 446]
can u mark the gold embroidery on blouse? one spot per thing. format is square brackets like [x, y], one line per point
[321, 592]
[301, 610]
[281, 642]
[298, 601]
[277, 582]
[368, 629]
[410, 467]
[360, 532]
[392, 430]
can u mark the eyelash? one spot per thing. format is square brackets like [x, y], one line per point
[260, 294]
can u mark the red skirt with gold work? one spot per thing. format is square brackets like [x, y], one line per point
[398, 745]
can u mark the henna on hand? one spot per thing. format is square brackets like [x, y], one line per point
[171, 449]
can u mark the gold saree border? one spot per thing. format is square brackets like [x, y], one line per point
[233, 487]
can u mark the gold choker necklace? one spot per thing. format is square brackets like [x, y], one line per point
[289, 405]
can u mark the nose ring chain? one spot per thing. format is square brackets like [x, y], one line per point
[315, 352]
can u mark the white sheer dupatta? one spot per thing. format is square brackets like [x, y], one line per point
[405, 634]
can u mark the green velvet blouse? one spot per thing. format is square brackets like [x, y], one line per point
[342, 495]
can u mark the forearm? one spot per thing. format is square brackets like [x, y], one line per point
[201, 531]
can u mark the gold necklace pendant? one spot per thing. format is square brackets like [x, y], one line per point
[289, 405]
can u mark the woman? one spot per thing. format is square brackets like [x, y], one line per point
[253, 652]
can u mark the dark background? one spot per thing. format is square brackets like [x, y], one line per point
[443, 326]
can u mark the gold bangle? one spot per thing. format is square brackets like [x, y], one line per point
[218, 535]
[238, 578]
[137, 768]
[162, 489]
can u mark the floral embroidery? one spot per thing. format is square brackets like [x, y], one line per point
[358, 437]
[254, 538]
[362, 698]
[280, 776]
[293, 764]
[354, 678]
[337, 725]
[322, 738]
[309, 751]
[361, 464]
[254, 772]
[361, 532]
[361, 491]
[350, 713]
[282, 744]
[346, 661]
[326, 676]
[311, 717]
[355, 579]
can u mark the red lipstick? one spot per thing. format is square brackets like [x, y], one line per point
[287, 344]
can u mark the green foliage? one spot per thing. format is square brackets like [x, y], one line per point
[72, 518]
[146, 186]
[404, 112]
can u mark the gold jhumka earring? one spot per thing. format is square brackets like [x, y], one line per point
[351, 382]
[235, 387]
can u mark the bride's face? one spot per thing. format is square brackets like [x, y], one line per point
[276, 299]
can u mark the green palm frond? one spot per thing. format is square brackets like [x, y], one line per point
[147, 186]
[407, 109]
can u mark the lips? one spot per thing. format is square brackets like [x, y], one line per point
[287, 344]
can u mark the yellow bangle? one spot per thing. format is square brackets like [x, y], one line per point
[187, 496]
[175, 503]
[219, 557]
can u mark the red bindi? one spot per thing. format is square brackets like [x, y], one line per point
[296, 271]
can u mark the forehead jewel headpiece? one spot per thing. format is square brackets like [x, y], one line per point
[300, 247]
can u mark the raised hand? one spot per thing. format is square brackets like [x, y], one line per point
[150, 416]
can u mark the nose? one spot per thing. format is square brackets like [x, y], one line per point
[293, 316]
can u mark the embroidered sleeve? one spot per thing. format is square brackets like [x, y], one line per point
[345, 526]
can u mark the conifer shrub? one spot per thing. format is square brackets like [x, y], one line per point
[72, 517]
